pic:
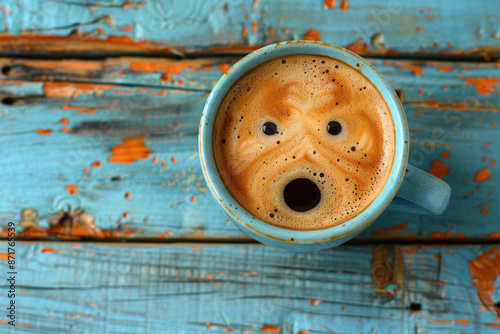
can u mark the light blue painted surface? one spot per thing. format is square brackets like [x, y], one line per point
[201, 25]
[433, 130]
[85, 288]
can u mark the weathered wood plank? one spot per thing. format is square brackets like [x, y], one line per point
[91, 288]
[133, 26]
[451, 113]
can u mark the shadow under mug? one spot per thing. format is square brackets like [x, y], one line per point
[408, 189]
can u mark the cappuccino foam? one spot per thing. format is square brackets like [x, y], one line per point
[301, 95]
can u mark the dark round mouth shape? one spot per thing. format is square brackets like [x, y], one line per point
[302, 195]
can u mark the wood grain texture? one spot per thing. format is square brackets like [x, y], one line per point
[452, 110]
[88, 288]
[135, 27]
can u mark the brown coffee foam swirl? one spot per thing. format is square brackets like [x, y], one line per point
[301, 96]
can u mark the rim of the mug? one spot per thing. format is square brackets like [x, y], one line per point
[242, 218]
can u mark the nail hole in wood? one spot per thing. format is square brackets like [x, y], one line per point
[497, 304]
[8, 101]
[116, 179]
[6, 70]
[415, 306]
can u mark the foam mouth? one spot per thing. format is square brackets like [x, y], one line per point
[302, 195]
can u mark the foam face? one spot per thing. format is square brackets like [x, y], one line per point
[301, 95]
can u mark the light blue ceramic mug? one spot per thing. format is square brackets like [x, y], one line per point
[407, 189]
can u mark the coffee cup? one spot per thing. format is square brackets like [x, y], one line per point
[304, 144]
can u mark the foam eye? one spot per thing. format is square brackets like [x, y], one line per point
[334, 128]
[269, 128]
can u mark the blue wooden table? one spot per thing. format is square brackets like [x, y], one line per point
[100, 104]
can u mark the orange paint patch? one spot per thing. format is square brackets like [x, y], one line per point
[17, 324]
[72, 89]
[329, 4]
[399, 227]
[379, 230]
[437, 257]
[421, 91]
[302, 332]
[96, 164]
[484, 212]
[223, 68]
[493, 325]
[83, 109]
[4, 10]
[125, 214]
[459, 321]
[445, 154]
[358, 47]
[493, 162]
[444, 68]
[166, 76]
[255, 4]
[133, 148]
[417, 70]
[286, 31]
[71, 189]
[314, 302]
[420, 29]
[124, 92]
[270, 31]
[483, 86]
[444, 88]
[484, 270]
[486, 144]
[49, 250]
[153, 67]
[438, 169]
[44, 132]
[126, 28]
[436, 45]
[270, 329]
[176, 175]
[127, 195]
[4, 257]
[64, 120]
[254, 27]
[409, 250]
[484, 159]
[173, 160]
[447, 234]
[312, 35]
[344, 6]
[482, 175]
[244, 32]
[193, 198]
[155, 159]
[183, 174]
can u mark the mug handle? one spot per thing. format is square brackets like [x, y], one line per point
[421, 193]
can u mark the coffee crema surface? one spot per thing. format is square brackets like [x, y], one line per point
[304, 142]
